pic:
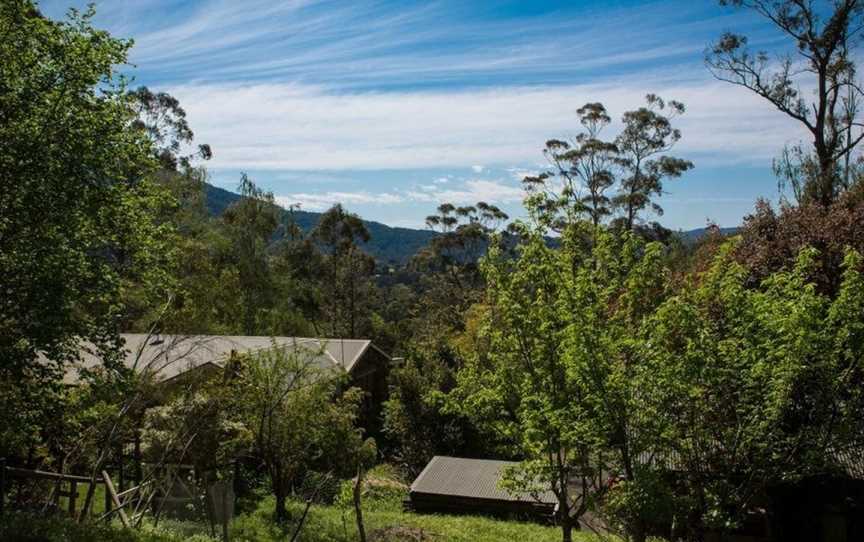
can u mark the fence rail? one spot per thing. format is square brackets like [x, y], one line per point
[58, 490]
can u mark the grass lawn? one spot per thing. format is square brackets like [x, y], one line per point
[335, 524]
[386, 522]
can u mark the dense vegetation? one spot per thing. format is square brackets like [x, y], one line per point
[586, 342]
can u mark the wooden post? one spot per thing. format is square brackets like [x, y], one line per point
[58, 489]
[107, 501]
[73, 496]
[109, 488]
[2, 484]
[121, 474]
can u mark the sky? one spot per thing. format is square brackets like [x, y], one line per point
[392, 107]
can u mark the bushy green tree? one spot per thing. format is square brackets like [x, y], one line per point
[299, 416]
[346, 288]
[754, 386]
[77, 205]
[556, 377]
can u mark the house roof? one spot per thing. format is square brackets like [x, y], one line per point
[169, 356]
[847, 462]
[471, 478]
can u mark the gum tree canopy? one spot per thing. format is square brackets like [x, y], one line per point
[75, 205]
[825, 37]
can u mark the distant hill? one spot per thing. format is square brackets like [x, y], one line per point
[387, 244]
[691, 236]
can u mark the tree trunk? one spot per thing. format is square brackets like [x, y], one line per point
[358, 509]
[566, 530]
[281, 510]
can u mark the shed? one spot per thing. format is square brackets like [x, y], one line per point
[473, 486]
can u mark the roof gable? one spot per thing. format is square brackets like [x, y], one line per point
[169, 356]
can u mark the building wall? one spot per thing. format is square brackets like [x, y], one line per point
[370, 374]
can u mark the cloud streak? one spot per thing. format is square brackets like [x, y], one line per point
[298, 127]
[377, 44]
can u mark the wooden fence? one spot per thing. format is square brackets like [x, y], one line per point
[67, 485]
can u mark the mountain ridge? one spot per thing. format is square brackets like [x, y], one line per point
[388, 244]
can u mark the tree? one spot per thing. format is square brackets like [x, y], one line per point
[162, 118]
[647, 134]
[772, 239]
[451, 276]
[753, 386]
[586, 169]
[250, 224]
[298, 416]
[633, 165]
[825, 41]
[76, 210]
[347, 290]
[556, 376]
[415, 424]
[464, 234]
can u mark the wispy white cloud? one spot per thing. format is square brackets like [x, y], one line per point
[319, 201]
[299, 127]
[368, 44]
[471, 192]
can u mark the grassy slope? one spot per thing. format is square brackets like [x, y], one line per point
[382, 509]
[335, 524]
[324, 524]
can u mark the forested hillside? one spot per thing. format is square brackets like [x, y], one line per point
[388, 245]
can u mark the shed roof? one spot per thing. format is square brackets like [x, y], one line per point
[471, 478]
[171, 355]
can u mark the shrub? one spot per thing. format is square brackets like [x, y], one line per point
[17, 527]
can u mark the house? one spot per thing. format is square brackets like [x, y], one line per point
[473, 486]
[179, 358]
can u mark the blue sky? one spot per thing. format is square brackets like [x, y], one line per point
[392, 107]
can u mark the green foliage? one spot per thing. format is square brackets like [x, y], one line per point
[299, 418]
[756, 386]
[347, 290]
[197, 427]
[415, 425]
[77, 210]
[556, 376]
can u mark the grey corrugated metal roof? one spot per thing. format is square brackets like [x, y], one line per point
[473, 478]
[171, 355]
[849, 461]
